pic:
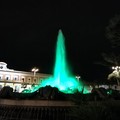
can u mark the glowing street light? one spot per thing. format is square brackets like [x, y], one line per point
[115, 74]
[116, 68]
[78, 77]
[34, 70]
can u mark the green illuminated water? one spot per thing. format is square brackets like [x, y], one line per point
[62, 77]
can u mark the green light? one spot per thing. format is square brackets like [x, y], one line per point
[109, 92]
[62, 78]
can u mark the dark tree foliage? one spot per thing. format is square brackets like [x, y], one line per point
[113, 31]
[112, 57]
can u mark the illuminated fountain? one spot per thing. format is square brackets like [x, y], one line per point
[62, 77]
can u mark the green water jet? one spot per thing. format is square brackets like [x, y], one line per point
[62, 77]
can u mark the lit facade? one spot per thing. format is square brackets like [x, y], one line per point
[19, 80]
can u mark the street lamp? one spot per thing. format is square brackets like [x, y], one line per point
[34, 70]
[117, 68]
[115, 73]
[78, 77]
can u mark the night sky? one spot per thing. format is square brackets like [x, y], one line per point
[29, 32]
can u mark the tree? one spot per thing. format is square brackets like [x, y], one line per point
[113, 32]
[112, 56]
[113, 36]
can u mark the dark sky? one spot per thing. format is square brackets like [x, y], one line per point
[29, 32]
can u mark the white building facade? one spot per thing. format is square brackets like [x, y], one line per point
[19, 80]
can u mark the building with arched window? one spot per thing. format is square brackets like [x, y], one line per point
[19, 80]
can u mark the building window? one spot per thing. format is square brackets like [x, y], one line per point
[1, 67]
[1, 77]
[29, 80]
[23, 79]
[35, 80]
[7, 78]
[40, 81]
[15, 77]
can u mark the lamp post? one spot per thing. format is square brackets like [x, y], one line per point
[78, 77]
[116, 73]
[34, 70]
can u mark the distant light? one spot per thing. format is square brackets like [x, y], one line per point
[78, 77]
[116, 68]
[113, 67]
[35, 70]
